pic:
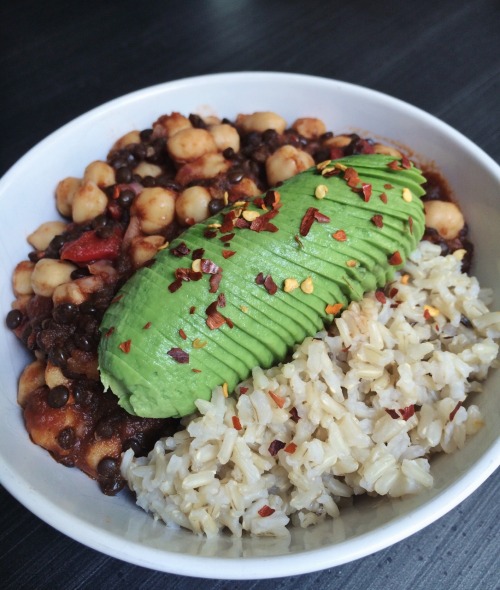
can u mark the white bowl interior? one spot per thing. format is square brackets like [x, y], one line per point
[70, 501]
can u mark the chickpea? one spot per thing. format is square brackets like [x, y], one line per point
[445, 217]
[339, 141]
[54, 376]
[192, 205]
[65, 193]
[143, 249]
[68, 293]
[386, 150]
[309, 127]
[260, 122]
[225, 136]
[190, 144]
[99, 449]
[32, 377]
[100, 173]
[245, 188]
[128, 139]
[41, 237]
[21, 279]
[287, 161]
[89, 202]
[147, 169]
[155, 208]
[208, 166]
[168, 125]
[211, 120]
[49, 274]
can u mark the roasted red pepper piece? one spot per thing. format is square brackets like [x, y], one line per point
[90, 247]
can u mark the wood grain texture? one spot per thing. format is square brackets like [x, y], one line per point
[59, 59]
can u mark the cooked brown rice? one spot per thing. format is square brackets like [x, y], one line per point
[423, 350]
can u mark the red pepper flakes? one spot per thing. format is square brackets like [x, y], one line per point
[125, 346]
[395, 259]
[179, 355]
[228, 222]
[236, 423]
[298, 240]
[209, 267]
[340, 235]
[351, 177]
[109, 332]
[262, 223]
[307, 221]
[229, 323]
[215, 282]
[180, 250]
[209, 233]
[270, 285]
[321, 218]
[272, 199]
[394, 165]
[290, 448]
[228, 253]
[275, 447]
[427, 314]
[393, 292]
[378, 221]
[404, 413]
[192, 309]
[215, 319]
[454, 411]
[146, 326]
[221, 300]
[266, 511]
[392, 413]
[195, 370]
[241, 223]
[182, 334]
[294, 415]
[366, 189]
[259, 279]
[243, 390]
[380, 297]
[383, 198]
[175, 285]
[410, 224]
[405, 162]
[259, 202]
[388, 186]
[278, 400]
[117, 298]
[197, 254]
[227, 237]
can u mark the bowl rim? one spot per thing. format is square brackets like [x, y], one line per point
[244, 568]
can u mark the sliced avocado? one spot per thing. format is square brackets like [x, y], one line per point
[151, 326]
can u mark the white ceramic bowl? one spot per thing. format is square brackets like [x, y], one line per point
[71, 502]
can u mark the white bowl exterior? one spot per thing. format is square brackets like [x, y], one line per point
[71, 502]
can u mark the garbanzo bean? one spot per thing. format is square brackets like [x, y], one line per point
[155, 208]
[147, 169]
[128, 139]
[386, 150]
[208, 166]
[192, 205]
[261, 121]
[31, 378]
[339, 141]
[445, 217]
[65, 193]
[100, 173]
[54, 376]
[287, 161]
[168, 125]
[143, 249]
[21, 279]
[41, 237]
[225, 136]
[188, 145]
[89, 201]
[49, 274]
[309, 127]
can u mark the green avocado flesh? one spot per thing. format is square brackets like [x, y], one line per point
[147, 321]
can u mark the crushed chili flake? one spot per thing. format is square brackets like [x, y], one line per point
[229, 322]
[215, 282]
[340, 235]
[228, 222]
[270, 285]
[266, 511]
[227, 237]
[179, 355]
[404, 413]
[294, 415]
[279, 401]
[405, 162]
[395, 259]
[307, 221]
[241, 223]
[196, 370]
[192, 309]
[228, 253]
[383, 198]
[298, 240]
[259, 279]
[275, 447]
[262, 223]
[209, 267]
[427, 314]
[321, 218]
[182, 334]
[243, 390]
[146, 326]
[351, 177]
[116, 299]
[125, 346]
[236, 423]
[221, 300]
[197, 343]
[180, 250]
[410, 224]
[334, 308]
[454, 411]
[109, 332]
[272, 199]
[378, 221]
[215, 320]
[393, 292]
[209, 233]
[388, 186]
[394, 165]
[198, 253]
[380, 297]
[290, 448]
[366, 189]
[392, 413]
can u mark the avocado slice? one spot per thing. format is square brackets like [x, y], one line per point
[175, 331]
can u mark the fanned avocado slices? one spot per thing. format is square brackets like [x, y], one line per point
[240, 289]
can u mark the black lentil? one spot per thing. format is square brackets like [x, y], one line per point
[58, 396]
[14, 319]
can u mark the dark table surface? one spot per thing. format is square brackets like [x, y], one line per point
[59, 59]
